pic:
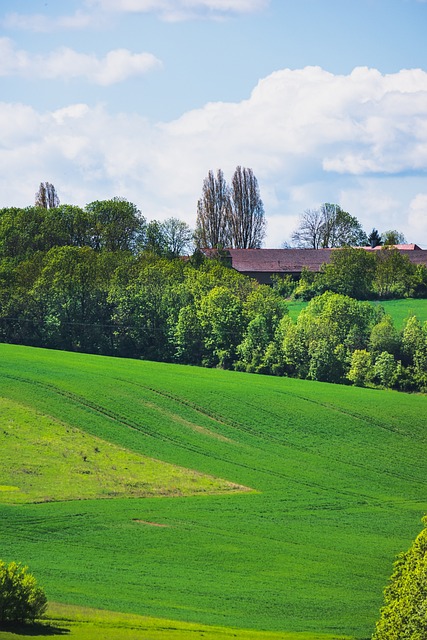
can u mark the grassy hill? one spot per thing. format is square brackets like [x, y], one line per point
[211, 497]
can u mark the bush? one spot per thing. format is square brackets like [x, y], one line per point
[21, 600]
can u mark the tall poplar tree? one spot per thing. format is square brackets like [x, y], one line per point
[46, 196]
[213, 213]
[247, 220]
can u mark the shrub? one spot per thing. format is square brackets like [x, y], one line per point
[21, 600]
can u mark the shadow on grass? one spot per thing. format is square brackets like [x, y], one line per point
[35, 630]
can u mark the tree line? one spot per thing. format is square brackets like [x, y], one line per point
[94, 280]
[101, 279]
[329, 226]
[366, 275]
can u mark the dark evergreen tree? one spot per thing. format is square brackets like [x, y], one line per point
[374, 239]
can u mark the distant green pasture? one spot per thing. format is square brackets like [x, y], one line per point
[398, 309]
[339, 477]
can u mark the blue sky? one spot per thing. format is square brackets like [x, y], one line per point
[326, 100]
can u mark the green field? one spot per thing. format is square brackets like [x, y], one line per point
[398, 309]
[83, 623]
[281, 507]
[401, 309]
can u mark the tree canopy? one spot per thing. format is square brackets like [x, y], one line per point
[404, 614]
[230, 216]
[46, 196]
[100, 279]
[21, 599]
[328, 226]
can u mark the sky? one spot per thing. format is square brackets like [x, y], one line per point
[325, 100]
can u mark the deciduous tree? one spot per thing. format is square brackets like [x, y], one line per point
[213, 213]
[116, 225]
[360, 368]
[46, 196]
[392, 237]
[328, 226]
[21, 599]
[310, 230]
[393, 274]
[340, 229]
[404, 614]
[177, 236]
[385, 369]
[247, 219]
[351, 272]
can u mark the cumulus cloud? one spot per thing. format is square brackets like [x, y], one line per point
[310, 136]
[417, 216]
[65, 63]
[182, 9]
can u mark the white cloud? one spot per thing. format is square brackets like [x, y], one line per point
[65, 63]
[310, 136]
[417, 217]
[182, 9]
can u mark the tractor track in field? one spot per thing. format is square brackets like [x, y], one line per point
[279, 440]
[368, 420]
[282, 440]
[116, 418]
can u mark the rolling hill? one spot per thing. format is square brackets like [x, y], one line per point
[207, 496]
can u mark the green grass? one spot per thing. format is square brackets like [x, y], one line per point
[398, 309]
[44, 460]
[83, 623]
[295, 307]
[340, 480]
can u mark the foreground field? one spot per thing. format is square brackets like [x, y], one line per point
[337, 480]
[81, 623]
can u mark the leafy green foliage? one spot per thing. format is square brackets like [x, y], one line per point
[365, 275]
[351, 272]
[393, 274]
[100, 280]
[392, 237]
[21, 599]
[360, 368]
[404, 614]
[385, 369]
[327, 332]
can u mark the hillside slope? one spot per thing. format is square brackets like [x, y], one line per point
[339, 477]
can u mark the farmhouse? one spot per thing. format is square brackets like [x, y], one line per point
[261, 264]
